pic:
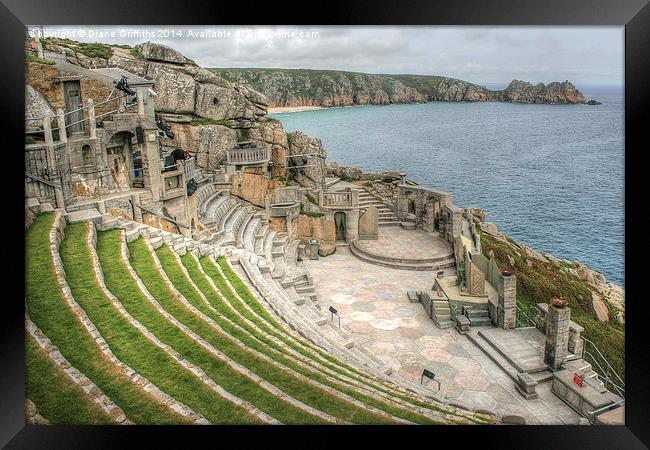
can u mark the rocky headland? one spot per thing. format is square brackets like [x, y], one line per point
[327, 88]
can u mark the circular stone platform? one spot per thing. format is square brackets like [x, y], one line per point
[405, 249]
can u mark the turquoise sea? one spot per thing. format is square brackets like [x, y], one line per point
[550, 176]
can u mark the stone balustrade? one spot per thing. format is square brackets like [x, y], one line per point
[343, 199]
[252, 155]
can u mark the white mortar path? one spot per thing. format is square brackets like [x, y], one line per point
[373, 306]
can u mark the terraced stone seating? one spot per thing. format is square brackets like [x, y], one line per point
[196, 345]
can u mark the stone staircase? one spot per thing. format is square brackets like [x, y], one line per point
[442, 314]
[385, 215]
[478, 317]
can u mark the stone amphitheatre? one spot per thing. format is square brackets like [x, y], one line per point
[190, 262]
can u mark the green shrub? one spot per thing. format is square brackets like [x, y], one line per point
[95, 50]
[311, 198]
[203, 121]
[30, 57]
[30, 140]
[136, 53]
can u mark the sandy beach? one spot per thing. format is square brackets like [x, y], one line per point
[288, 109]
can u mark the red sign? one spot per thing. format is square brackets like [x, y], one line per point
[577, 379]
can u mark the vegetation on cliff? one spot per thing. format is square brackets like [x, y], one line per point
[538, 281]
[303, 87]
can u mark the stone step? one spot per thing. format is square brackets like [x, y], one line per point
[480, 321]
[539, 365]
[472, 313]
[444, 261]
[493, 354]
[444, 324]
[305, 289]
[156, 242]
[403, 265]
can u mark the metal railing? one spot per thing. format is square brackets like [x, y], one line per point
[599, 364]
[523, 319]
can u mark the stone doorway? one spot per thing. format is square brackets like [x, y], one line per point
[339, 222]
[124, 159]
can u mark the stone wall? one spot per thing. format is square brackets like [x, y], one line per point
[321, 228]
[426, 203]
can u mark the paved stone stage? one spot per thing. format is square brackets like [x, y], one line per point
[373, 306]
[416, 245]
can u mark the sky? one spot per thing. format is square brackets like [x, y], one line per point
[583, 55]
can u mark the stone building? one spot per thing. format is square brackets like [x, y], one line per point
[102, 145]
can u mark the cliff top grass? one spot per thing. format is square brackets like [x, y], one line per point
[539, 281]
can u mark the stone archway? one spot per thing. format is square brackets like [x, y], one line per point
[340, 225]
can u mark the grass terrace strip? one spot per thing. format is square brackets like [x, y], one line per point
[311, 387]
[221, 279]
[206, 347]
[127, 341]
[306, 367]
[57, 398]
[48, 310]
[270, 373]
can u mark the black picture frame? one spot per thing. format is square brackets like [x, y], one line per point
[633, 14]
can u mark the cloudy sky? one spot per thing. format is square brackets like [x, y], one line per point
[477, 54]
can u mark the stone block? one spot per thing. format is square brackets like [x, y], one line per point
[526, 385]
[413, 297]
[326, 248]
[462, 324]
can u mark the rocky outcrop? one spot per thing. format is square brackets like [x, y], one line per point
[299, 87]
[306, 160]
[524, 92]
[207, 113]
[36, 106]
[158, 52]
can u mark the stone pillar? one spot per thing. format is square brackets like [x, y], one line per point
[507, 301]
[60, 120]
[92, 123]
[557, 335]
[139, 97]
[402, 178]
[352, 225]
[47, 131]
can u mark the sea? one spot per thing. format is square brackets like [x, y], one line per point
[549, 176]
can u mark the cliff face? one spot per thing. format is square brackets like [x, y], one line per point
[299, 87]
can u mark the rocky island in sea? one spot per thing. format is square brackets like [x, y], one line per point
[189, 261]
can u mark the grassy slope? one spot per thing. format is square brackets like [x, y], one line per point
[219, 371]
[57, 398]
[316, 84]
[49, 311]
[311, 395]
[138, 351]
[537, 284]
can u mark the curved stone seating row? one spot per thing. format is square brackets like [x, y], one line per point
[328, 338]
[367, 388]
[205, 196]
[310, 320]
[243, 371]
[134, 377]
[94, 393]
[340, 394]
